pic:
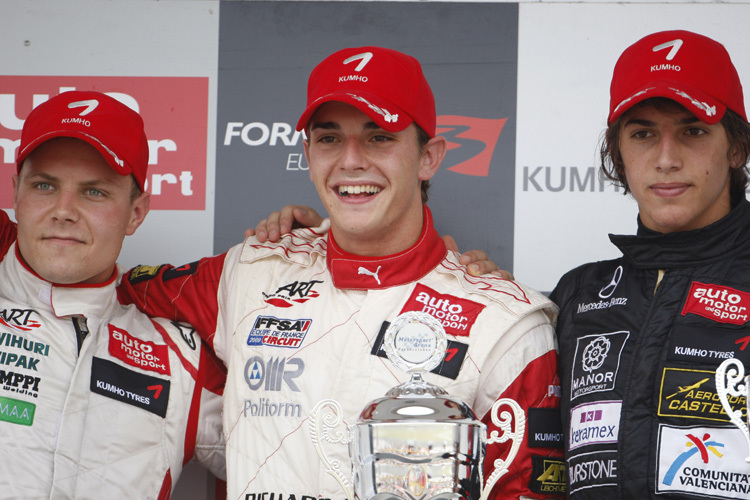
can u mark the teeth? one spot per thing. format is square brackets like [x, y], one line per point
[368, 189]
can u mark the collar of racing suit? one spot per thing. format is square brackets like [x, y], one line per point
[652, 250]
[356, 272]
[97, 300]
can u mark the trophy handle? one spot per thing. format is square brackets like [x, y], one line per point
[325, 417]
[730, 379]
[504, 421]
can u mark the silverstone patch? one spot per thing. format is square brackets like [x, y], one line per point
[137, 389]
[449, 367]
[455, 314]
[594, 423]
[278, 332]
[547, 475]
[717, 302]
[705, 461]
[592, 470]
[692, 394]
[596, 363]
[16, 411]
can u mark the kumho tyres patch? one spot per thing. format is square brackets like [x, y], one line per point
[16, 411]
[692, 394]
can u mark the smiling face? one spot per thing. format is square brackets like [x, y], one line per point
[677, 167]
[73, 212]
[369, 179]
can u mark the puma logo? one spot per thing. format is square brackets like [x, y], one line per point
[366, 271]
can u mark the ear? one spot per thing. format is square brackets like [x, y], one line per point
[432, 156]
[306, 145]
[138, 211]
[15, 191]
[735, 157]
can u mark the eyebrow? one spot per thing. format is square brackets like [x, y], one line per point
[47, 177]
[336, 126]
[646, 123]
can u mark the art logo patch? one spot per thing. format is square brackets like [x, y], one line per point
[278, 332]
[135, 352]
[456, 315]
[717, 302]
[704, 461]
[596, 363]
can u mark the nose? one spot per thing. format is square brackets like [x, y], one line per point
[668, 156]
[65, 207]
[353, 155]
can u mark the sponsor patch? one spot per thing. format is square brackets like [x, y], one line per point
[187, 332]
[692, 394]
[596, 363]
[456, 315]
[134, 388]
[592, 470]
[273, 374]
[20, 383]
[143, 273]
[547, 475]
[135, 352]
[449, 367]
[16, 411]
[264, 407]
[19, 319]
[712, 346]
[275, 495]
[705, 461]
[545, 428]
[176, 272]
[278, 332]
[594, 423]
[288, 295]
[717, 302]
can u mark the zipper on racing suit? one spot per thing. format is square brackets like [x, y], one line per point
[82, 330]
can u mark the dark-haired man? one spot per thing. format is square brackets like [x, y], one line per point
[641, 336]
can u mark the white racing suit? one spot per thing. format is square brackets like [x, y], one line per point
[300, 321]
[97, 400]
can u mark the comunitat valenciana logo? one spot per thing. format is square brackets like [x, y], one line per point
[174, 111]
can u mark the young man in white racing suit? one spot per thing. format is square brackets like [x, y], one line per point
[302, 320]
[96, 399]
[641, 336]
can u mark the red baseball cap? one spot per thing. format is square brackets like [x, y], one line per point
[114, 129]
[385, 84]
[686, 67]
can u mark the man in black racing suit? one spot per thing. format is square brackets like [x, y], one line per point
[641, 336]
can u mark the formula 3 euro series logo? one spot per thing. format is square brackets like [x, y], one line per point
[174, 111]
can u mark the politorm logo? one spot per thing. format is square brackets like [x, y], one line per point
[174, 109]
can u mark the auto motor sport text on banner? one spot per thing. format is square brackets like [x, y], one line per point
[175, 112]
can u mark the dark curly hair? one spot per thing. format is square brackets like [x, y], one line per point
[738, 133]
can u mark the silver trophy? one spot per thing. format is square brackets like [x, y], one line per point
[732, 382]
[417, 442]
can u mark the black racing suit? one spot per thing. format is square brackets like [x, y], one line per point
[640, 339]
